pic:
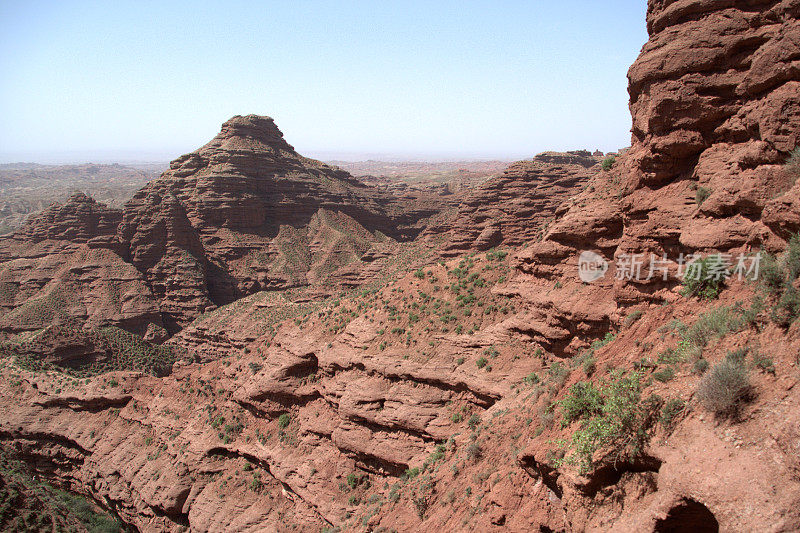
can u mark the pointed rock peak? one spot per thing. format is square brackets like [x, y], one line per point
[261, 129]
[251, 123]
[244, 145]
[251, 146]
[79, 197]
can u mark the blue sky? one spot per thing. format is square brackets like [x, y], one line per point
[151, 80]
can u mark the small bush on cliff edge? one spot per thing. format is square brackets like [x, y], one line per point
[608, 162]
[723, 387]
[704, 278]
[793, 163]
[702, 195]
[777, 276]
[583, 401]
[613, 416]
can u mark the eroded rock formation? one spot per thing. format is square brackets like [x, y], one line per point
[514, 208]
[244, 213]
[437, 401]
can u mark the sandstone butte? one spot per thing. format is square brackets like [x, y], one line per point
[229, 384]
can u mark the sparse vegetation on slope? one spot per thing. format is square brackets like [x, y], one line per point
[612, 417]
[793, 163]
[28, 504]
[723, 386]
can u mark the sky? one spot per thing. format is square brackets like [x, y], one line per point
[148, 81]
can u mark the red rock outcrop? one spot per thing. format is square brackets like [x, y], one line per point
[57, 267]
[78, 220]
[715, 100]
[438, 401]
[214, 429]
[246, 213]
[513, 209]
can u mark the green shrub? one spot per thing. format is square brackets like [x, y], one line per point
[531, 379]
[788, 308]
[608, 162]
[738, 356]
[632, 317]
[702, 195]
[715, 323]
[723, 387]
[421, 506]
[411, 473]
[792, 258]
[764, 363]
[474, 451]
[582, 401]
[496, 255]
[770, 277]
[473, 421]
[670, 412]
[793, 163]
[599, 343]
[620, 424]
[700, 366]
[589, 365]
[481, 362]
[283, 421]
[705, 277]
[491, 351]
[558, 373]
[776, 274]
[669, 356]
[664, 375]
[750, 315]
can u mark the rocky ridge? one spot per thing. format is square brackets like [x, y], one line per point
[514, 208]
[497, 392]
[244, 213]
[59, 267]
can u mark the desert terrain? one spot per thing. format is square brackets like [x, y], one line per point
[254, 340]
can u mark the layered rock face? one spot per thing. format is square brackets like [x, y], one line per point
[513, 209]
[78, 220]
[206, 447]
[715, 101]
[59, 267]
[440, 401]
[246, 213]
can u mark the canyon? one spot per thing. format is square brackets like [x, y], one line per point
[257, 341]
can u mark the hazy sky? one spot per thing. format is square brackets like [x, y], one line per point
[151, 80]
